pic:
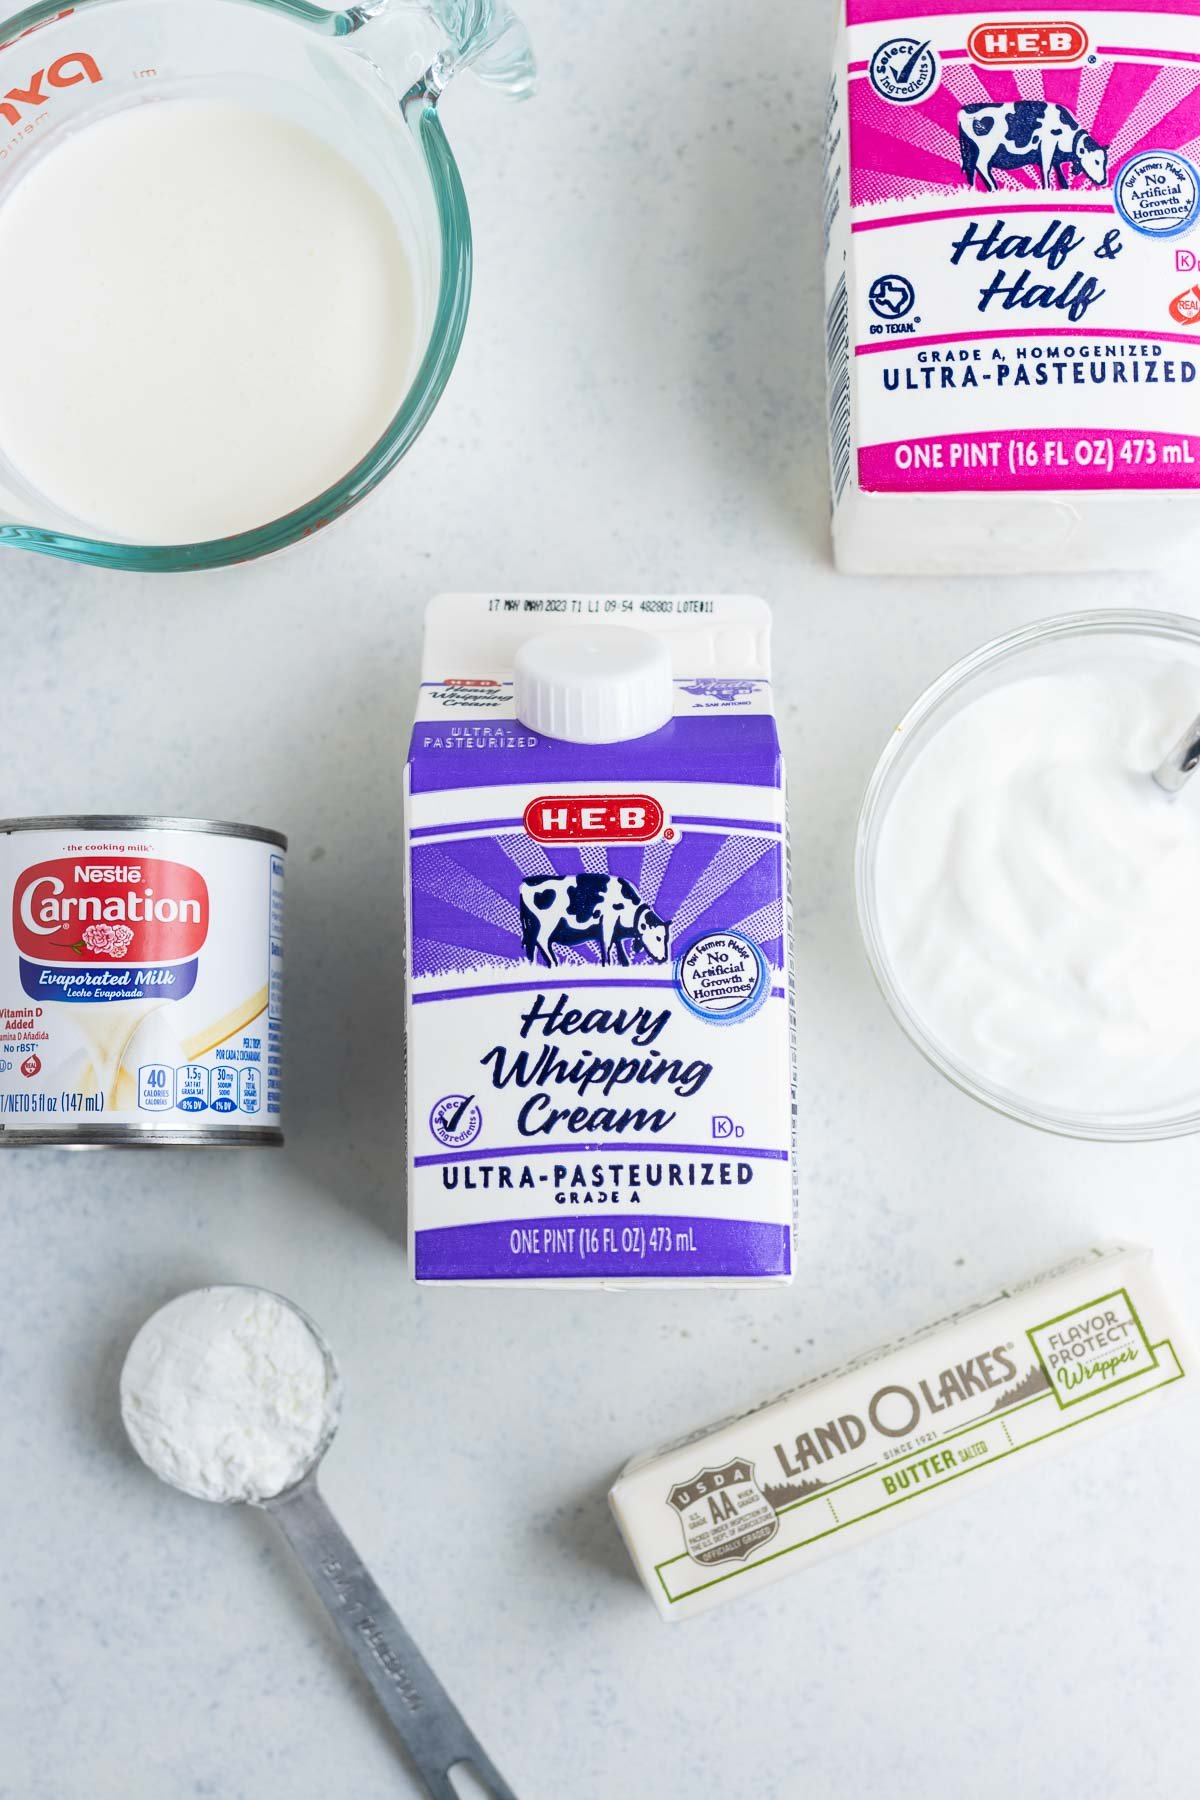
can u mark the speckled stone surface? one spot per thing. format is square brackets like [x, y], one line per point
[637, 407]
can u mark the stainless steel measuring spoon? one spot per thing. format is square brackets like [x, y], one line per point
[437, 1737]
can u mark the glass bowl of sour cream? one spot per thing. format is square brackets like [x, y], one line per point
[237, 261]
[1027, 894]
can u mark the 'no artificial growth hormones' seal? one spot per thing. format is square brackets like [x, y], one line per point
[141, 965]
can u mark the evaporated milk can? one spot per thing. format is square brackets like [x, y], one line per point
[141, 965]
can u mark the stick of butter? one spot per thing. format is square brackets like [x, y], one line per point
[849, 1454]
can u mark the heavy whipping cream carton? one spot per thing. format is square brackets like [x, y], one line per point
[599, 1016]
[141, 982]
[845, 1456]
[1012, 213]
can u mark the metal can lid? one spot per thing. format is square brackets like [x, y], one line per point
[142, 822]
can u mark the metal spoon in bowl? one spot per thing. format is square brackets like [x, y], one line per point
[212, 1373]
[1180, 762]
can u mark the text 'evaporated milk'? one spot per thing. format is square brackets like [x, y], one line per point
[140, 982]
[599, 1008]
[1012, 209]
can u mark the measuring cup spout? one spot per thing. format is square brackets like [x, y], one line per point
[484, 36]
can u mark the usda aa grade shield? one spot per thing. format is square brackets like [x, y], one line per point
[724, 1513]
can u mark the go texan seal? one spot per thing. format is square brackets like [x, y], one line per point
[723, 1512]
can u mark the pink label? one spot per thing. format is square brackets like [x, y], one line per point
[874, 12]
[1017, 273]
[982, 461]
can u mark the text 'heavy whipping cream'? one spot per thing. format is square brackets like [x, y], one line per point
[599, 1030]
[140, 982]
[1012, 210]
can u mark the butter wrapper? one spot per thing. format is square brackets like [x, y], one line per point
[850, 1454]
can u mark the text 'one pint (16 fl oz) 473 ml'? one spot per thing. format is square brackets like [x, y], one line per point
[599, 995]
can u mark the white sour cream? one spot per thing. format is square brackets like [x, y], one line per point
[1039, 897]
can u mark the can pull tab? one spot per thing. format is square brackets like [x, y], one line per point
[601, 685]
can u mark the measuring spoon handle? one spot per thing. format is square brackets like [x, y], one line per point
[436, 1734]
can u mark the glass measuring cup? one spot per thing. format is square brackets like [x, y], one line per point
[435, 1733]
[365, 79]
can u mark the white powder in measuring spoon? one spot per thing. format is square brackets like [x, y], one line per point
[228, 1394]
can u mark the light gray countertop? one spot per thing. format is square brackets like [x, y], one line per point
[638, 407]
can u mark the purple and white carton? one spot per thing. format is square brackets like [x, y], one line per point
[599, 1006]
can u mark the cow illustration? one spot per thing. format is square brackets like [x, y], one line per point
[1001, 134]
[573, 909]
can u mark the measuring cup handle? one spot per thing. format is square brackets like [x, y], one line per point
[485, 36]
[436, 1734]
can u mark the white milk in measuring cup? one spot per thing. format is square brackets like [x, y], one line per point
[1012, 207]
[250, 330]
[260, 206]
[140, 982]
[599, 995]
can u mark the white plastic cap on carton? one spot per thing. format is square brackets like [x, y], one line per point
[600, 685]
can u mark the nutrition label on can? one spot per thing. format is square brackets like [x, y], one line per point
[274, 1028]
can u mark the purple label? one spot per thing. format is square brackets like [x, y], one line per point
[593, 975]
[84, 983]
[628, 1248]
[489, 752]
[504, 902]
